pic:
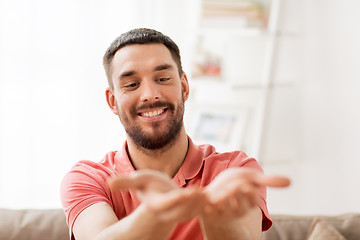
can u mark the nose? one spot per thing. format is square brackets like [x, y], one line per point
[149, 92]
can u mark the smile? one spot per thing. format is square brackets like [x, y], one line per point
[153, 113]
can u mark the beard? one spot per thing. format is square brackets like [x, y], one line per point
[159, 139]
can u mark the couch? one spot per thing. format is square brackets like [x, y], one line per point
[50, 224]
[340, 227]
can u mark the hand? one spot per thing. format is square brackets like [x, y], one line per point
[160, 195]
[235, 191]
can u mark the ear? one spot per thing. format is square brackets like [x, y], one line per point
[110, 98]
[184, 86]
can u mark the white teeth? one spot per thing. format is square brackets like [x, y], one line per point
[153, 114]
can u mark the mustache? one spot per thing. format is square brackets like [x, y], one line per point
[156, 104]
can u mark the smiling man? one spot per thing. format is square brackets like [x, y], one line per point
[160, 185]
[148, 95]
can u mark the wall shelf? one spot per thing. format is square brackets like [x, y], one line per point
[246, 58]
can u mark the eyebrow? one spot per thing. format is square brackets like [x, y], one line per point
[157, 68]
[127, 74]
[163, 67]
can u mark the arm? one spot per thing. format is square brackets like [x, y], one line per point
[231, 211]
[246, 227]
[100, 222]
[163, 206]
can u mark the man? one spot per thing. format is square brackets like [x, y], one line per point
[161, 185]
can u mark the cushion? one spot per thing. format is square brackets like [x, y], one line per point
[321, 230]
[289, 227]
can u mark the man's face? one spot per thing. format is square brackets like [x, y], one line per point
[148, 94]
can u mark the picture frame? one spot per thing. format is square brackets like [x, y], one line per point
[221, 127]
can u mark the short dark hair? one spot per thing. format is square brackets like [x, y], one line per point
[139, 36]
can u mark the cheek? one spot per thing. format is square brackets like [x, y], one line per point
[126, 104]
[121, 102]
[175, 92]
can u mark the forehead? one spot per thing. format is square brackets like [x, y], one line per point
[141, 57]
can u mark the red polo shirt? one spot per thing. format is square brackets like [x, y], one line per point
[85, 184]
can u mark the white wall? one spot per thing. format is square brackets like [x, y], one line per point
[52, 93]
[53, 111]
[320, 129]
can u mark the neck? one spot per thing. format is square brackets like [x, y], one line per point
[167, 160]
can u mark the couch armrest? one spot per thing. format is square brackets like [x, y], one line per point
[31, 224]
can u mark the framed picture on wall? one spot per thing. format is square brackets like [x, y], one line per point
[221, 127]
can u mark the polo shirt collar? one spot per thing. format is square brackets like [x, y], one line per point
[122, 163]
[191, 166]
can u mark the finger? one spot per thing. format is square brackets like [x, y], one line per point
[248, 193]
[257, 177]
[241, 209]
[141, 180]
[241, 201]
[183, 209]
[173, 198]
[266, 180]
[244, 208]
[121, 182]
[219, 195]
[234, 204]
[232, 189]
[273, 181]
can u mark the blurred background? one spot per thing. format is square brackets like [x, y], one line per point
[278, 79]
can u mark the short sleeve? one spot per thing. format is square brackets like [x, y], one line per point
[82, 187]
[240, 159]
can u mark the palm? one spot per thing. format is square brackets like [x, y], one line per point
[157, 191]
[235, 191]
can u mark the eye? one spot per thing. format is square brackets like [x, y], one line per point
[163, 79]
[131, 85]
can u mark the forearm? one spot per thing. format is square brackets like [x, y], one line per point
[229, 230]
[217, 227]
[141, 224]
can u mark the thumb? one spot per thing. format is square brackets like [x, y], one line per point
[122, 182]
